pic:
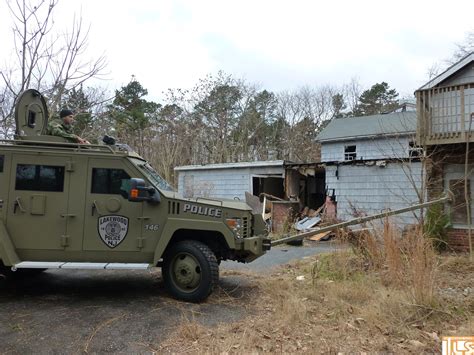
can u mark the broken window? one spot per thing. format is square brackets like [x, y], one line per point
[458, 207]
[414, 151]
[269, 185]
[350, 152]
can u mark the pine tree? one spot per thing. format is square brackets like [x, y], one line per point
[133, 115]
[378, 99]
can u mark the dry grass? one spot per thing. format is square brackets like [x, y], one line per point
[387, 296]
[407, 261]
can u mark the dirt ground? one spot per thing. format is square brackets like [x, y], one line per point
[289, 309]
[74, 311]
[62, 311]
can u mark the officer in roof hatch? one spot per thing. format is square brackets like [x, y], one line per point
[62, 127]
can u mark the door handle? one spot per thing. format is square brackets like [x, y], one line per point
[16, 204]
[95, 207]
[66, 215]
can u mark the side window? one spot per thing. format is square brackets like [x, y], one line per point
[458, 207]
[2, 158]
[350, 152]
[107, 181]
[39, 178]
[414, 151]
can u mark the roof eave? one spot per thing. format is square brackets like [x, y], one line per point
[448, 72]
[353, 138]
[242, 165]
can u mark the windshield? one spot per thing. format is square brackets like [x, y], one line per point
[153, 176]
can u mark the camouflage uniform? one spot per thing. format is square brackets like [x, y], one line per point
[60, 129]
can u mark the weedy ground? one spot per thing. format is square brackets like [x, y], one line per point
[387, 294]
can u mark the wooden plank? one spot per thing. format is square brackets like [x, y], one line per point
[463, 114]
[419, 119]
[319, 236]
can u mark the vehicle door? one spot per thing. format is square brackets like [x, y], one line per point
[4, 160]
[38, 201]
[111, 222]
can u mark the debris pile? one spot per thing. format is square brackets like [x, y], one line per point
[284, 216]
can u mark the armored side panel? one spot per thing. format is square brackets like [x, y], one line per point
[7, 251]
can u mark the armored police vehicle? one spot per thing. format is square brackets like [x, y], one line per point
[74, 206]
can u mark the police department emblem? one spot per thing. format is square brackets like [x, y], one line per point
[112, 229]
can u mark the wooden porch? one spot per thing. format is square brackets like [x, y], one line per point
[445, 114]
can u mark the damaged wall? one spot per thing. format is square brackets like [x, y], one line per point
[370, 189]
[305, 182]
[369, 149]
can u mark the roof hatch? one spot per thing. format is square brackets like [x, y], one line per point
[31, 114]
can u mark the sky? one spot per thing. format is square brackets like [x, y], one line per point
[278, 45]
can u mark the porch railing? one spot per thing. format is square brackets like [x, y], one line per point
[445, 114]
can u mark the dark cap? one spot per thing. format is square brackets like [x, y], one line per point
[65, 113]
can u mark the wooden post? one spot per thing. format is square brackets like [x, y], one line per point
[421, 133]
[428, 116]
[463, 114]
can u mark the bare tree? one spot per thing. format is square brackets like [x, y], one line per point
[352, 92]
[463, 49]
[46, 60]
[305, 110]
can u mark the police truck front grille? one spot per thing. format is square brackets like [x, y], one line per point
[173, 207]
[245, 227]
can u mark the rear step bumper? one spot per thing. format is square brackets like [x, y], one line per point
[83, 266]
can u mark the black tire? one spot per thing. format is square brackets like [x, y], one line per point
[28, 272]
[5, 273]
[190, 271]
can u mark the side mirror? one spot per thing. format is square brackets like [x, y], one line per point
[135, 190]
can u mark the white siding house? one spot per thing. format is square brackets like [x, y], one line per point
[231, 180]
[302, 182]
[372, 164]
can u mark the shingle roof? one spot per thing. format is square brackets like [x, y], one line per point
[399, 123]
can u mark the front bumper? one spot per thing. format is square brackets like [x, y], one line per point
[266, 244]
[253, 247]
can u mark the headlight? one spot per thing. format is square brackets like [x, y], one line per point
[235, 225]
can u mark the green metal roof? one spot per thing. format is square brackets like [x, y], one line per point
[399, 123]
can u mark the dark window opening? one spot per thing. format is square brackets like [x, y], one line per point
[2, 158]
[315, 191]
[31, 119]
[414, 151]
[270, 185]
[458, 207]
[107, 181]
[39, 178]
[350, 152]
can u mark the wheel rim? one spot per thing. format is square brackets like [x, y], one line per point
[186, 272]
